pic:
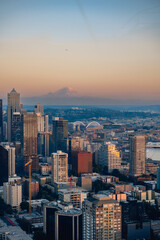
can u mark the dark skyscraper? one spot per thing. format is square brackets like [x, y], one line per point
[13, 106]
[60, 134]
[1, 121]
[7, 161]
[62, 221]
[17, 128]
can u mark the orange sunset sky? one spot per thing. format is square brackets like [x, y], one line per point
[99, 48]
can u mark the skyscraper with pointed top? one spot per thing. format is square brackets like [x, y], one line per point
[13, 106]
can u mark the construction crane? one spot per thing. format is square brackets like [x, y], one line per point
[30, 194]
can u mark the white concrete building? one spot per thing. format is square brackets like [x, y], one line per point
[12, 193]
[74, 196]
[59, 167]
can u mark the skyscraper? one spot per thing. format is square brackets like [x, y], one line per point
[62, 221]
[59, 167]
[109, 156]
[12, 106]
[68, 224]
[7, 161]
[17, 128]
[43, 143]
[1, 121]
[60, 134]
[101, 218]
[30, 140]
[137, 155]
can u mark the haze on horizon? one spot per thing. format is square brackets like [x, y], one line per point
[100, 48]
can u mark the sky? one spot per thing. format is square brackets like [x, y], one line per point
[100, 48]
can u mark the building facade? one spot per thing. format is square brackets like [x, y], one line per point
[60, 134]
[13, 105]
[82, 162]
[109, 156]
[13, 194]
[30, 140]
[59, 167]
[101, 218]
[137, 155]
[62, 221]
[7, 161]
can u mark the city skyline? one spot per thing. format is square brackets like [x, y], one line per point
[107, 49]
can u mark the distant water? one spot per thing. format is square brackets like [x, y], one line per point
[153, 153]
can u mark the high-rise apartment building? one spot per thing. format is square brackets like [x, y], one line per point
[101, 218]
[137, 155]
[13, 105]
[13, 194]
[109, 156]
[60, 134]
[82, 162]
[1, 121]
[59, 167]
[7, 161]
[30, 140]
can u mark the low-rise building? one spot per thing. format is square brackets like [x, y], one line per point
[74, 196]
[12, 232]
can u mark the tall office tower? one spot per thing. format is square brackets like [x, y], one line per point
[1, 121]
[109, 156]
[59, 167]
[13, 106]
[17, 128]
[46, 127]
[30, 140]
[38, 108]
[69, 223]
[101, 218]
[60, 134]
[82, 162]
[13, 194]
[137, 155]
[43, 143]
[40, 122]
[7, 161]
[62, 221]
